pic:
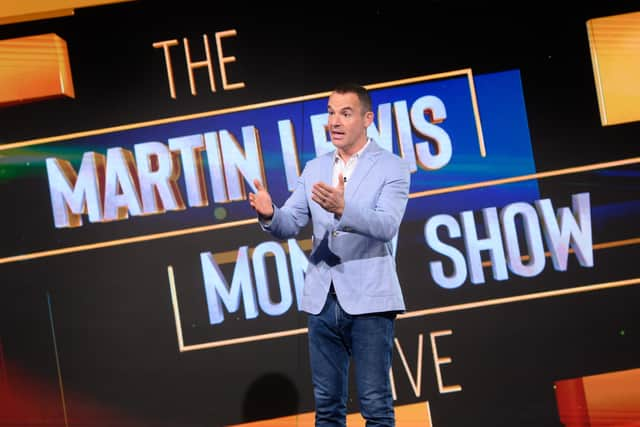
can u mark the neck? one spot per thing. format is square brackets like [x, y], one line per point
[345, 155]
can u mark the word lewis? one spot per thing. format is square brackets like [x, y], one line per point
[192, 64]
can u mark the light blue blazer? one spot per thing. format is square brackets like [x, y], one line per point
[355, 251]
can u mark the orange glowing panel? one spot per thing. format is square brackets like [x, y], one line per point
[615, 54]
[34, 68]
[12, 12]
[413, 415]
[610, 399]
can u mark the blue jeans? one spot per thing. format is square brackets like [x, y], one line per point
[336, 336]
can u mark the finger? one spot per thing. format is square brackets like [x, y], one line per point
[340, 181]
[323, 189]
[258, 185]
[323, 186]
[320, 193]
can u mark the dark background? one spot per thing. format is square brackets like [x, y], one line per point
[115, 331]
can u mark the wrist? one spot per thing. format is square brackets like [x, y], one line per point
[266, 216]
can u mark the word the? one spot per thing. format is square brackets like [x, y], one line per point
[191, 65]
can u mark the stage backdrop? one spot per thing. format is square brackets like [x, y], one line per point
[137, 288]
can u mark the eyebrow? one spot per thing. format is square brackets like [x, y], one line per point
[341, 109]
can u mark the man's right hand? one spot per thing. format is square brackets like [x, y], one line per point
[261, 201]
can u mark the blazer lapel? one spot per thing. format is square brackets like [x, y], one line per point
[325, 174]
[326, 171]
[364, 166]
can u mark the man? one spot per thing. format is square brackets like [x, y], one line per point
[356, 197]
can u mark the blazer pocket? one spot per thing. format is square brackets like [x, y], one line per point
[378, 277]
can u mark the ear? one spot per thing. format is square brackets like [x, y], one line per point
[368, 118]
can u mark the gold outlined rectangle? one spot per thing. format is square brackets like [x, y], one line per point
[34, 68]
[614, 42]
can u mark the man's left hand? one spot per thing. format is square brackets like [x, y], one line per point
[330, 198]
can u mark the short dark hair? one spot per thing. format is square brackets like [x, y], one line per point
[362, 92]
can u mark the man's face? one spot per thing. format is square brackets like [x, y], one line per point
[347, 122]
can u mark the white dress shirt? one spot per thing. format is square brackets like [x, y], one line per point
[339, 166]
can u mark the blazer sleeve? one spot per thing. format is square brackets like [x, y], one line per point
[381, 222]
[288, 220]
